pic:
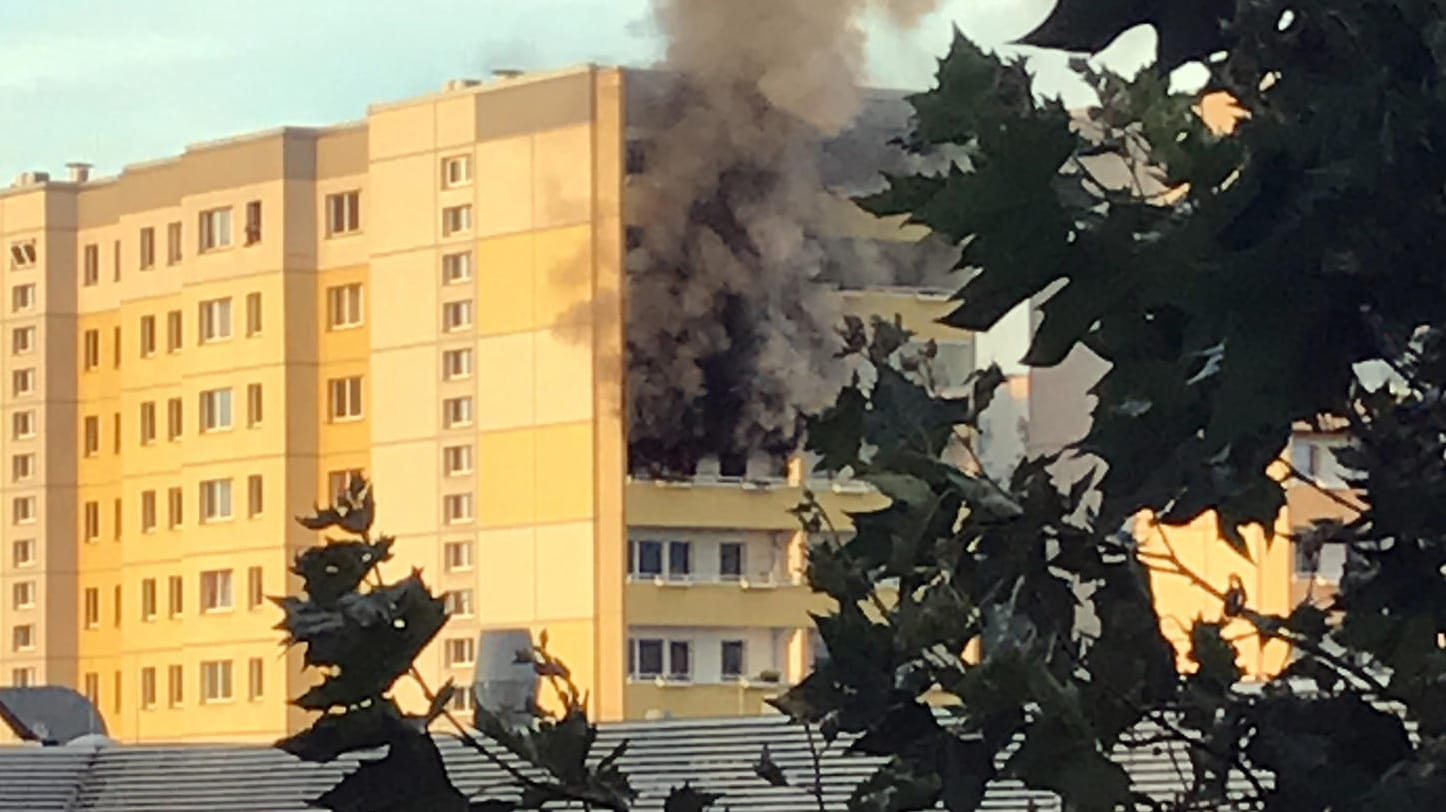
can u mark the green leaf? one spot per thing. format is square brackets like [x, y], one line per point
[909, 490]
[687, 799]
[836, 435]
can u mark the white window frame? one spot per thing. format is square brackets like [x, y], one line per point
[457, 364]
[215, 318]
[460, 562]
[29, 634]
[22, 467]
[150, 511]
[452, 409]
[682, 570]
[345, 399]
[216, 501]
[216, 410]
[457, 268]
[460, 652]
[23, 595]
[343, 213]
[22, 424]
[22, 340]
[667, 671]
[214, 230]
[742, 561]
[459, 602]
[147, 248]
[22, 298]
[457, 460]
[456, 171]
[457, 315]
[27, 547]
[457, 220]
[458, 508]
[24, 381]
[22, 510]
[218, 593]
[217, 682]
[23, 254]
[344, 307]
[742, 659]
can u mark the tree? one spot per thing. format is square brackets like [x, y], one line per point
[1306, 242]
[366, 634]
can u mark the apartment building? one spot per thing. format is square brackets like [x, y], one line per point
[197, 349]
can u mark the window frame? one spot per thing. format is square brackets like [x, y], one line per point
[215, 494]
[218, 592]
[343, 213]
[214, 229]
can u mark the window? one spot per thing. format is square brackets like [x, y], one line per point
[462, 700]
[173, 243]
[148, 249]
[148, 511]
[148, 336]
[730, 560]
[115, 271]
[22, 467]
[457, 315]
[343, 213]
[216, 591]
[175, 685]
[253, 314]
[458, 602]
[456, 364]
[22, 340]
[92, 520]
[253, 405]
[456, 220]
[339, 481]
[22, 298]
[92, 607]
[216, 320]
[91, 344]
[215, 410]
[90, 265]
[23, 509]
[680, 554]
[23, 381]
[732, 657]
[456, 268]
[460, 651]
[215, 229]
[148, 688]
[115, 696]
[255, 678]
[253, 222]
[216, 681]
[22, 255]
[22, 677]
[457, 507]
[1315, 457]
[22, 595]
[173, 418]
[176, 596]
[215, 500]
[22, 552]
[651, 559]
[173, 331]
[346, 398]
[92, 689]
[149, 602]
[22, 424]
[254, 495]
[344, 306]
[456, 171]
[647, 660]
[255, 588]
[148, 422]
[457, 460]
[457, 412]
[92, 436]
[22, 637]
[174, 507]
[117, 519]
[457, 555]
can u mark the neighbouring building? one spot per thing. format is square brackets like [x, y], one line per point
[197, 349]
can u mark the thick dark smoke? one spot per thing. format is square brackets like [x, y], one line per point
[736, 237]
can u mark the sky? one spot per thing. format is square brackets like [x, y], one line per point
[114, 82]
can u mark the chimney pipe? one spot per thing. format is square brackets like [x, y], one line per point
[79, 171]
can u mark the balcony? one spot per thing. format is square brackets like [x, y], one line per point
[770, 603]
[687, 700]
[738, 504]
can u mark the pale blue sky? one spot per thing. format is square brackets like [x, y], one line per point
[119, 81]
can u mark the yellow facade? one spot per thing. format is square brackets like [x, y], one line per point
[434, 296]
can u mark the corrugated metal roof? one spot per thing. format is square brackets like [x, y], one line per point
[714, 755]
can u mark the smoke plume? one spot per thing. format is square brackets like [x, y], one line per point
[730, 319]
